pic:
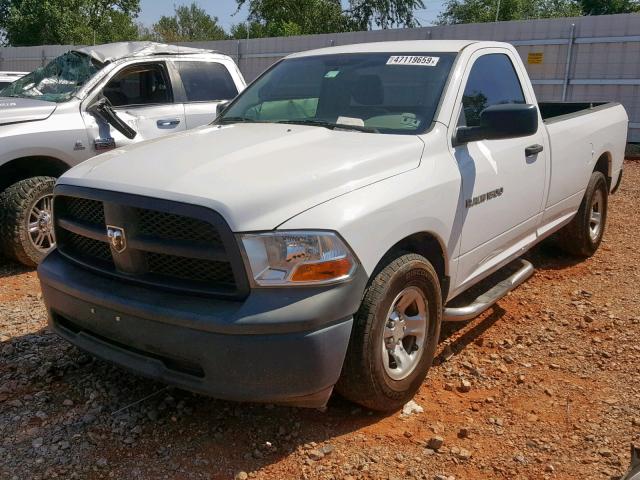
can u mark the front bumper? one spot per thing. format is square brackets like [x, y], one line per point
[280, 345]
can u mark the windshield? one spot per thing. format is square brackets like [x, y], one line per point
[58, 81]
[374, 92]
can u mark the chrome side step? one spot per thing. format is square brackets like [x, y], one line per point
[491, 296]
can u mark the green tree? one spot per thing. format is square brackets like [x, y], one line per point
[478, 11]
[111, 19]
[367, 14]
[115, 26]
[248, 30]
[189, 23]
[607, 7]
[145, 33]
[42, 22]
[293, 17]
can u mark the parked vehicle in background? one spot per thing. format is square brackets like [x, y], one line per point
[316, 234]
[7, 78]
[88, 101]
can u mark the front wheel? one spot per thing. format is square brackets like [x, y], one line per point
[395, 335]
[26, 220]
[583, 235]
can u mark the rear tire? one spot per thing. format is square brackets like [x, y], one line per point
[385, 364]
[583, 235]
[26, 220]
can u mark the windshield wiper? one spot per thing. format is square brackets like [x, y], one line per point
[331, 126]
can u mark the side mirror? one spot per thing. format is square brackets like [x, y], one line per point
[220, 107]
[103, 109]
[501, 122]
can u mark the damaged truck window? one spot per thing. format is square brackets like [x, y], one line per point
[57, 81]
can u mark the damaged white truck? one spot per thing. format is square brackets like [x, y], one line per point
[88, 101]
[315, 235]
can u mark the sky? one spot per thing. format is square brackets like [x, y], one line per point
[152, 10]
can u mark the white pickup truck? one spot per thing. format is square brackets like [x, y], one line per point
[85, 102]
[316, 234]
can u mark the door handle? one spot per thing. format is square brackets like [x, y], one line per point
[173, 122]
[532, 150]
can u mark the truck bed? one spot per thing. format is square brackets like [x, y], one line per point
[579, 133]
[550, 111]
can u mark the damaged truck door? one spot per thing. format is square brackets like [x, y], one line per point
[136, 99]
[103, 110]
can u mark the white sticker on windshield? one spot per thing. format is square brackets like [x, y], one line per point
[417, 60]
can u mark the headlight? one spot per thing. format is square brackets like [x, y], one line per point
[297, 258]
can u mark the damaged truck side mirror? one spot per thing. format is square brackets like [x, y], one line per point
[103, 109]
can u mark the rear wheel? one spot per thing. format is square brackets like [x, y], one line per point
[583, 235]
[26, 220]
[394, 336]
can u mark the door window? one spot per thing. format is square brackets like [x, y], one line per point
[145, 84]
[492, 81]
[206, 81]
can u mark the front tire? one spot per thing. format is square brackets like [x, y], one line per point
[583, 235]
[395, 335]
[26, 220]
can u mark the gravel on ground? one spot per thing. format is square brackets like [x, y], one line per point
[545, 385]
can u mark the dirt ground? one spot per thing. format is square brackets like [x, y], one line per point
[554, 374]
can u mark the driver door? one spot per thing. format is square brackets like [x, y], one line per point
[142, 97]
[503, 186]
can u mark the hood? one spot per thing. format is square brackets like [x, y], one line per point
[16, 110]
[256, 175]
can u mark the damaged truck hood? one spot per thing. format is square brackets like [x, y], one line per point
[256, 175]
[17, 110]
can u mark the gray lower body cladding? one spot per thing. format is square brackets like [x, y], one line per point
[277, 345]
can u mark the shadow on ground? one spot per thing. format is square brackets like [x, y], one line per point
[9, 268]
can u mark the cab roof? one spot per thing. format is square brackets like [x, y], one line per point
[110, 52]
[404, 46]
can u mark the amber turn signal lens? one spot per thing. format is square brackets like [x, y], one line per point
[322, 271]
